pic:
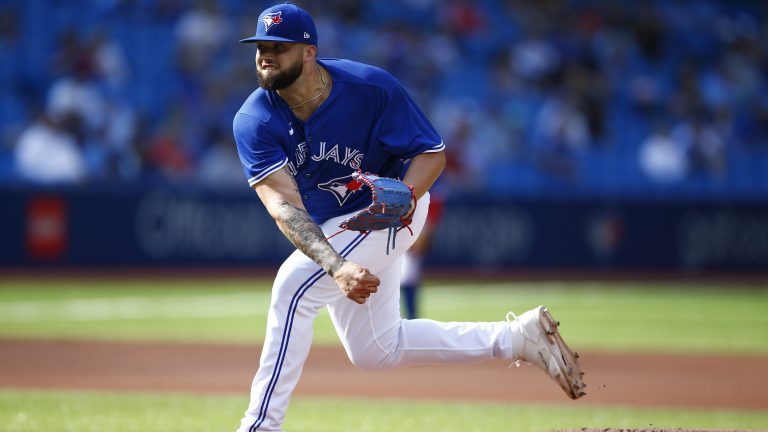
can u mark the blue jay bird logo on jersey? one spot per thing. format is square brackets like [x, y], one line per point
[271, 19]
[341, 187]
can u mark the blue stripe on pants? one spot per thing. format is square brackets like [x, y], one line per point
[287, 331]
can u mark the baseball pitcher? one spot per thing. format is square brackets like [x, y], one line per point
[324, 143]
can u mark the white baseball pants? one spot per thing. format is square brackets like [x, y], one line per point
[373, 334]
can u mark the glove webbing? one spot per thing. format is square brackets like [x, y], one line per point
[391, 231]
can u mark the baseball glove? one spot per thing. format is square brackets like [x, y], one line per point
[392, 206]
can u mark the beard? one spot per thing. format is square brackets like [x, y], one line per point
[279, 80]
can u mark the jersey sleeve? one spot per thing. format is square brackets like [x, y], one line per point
[259, 150]
[403, 129]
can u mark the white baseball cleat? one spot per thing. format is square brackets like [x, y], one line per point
[536, 340]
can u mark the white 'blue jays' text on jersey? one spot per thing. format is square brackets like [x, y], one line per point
[367, 123]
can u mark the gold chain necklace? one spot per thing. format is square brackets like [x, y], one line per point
[325, 87]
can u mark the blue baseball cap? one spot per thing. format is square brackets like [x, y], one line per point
[285, 23]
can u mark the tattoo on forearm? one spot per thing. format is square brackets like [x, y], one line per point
[304, 233]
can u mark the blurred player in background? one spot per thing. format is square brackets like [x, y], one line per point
[413, 260]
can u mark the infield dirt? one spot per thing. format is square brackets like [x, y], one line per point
[652, 380]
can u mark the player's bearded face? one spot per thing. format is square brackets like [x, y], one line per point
[274, 78]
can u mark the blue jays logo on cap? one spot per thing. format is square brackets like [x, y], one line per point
[271, 19]
[285, 23]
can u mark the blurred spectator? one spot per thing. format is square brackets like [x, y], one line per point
[703, 145]
[662, 158]
[164, 153]
[47, 152]
[560, 132]
[754, 126]
[163, 11]
[79, 95]
[200, 34]
[649, 32]
[9, 37]
[69, 50]
[219, 164]
[462, 162]
[118, 143]
[9, 29]
[462, 18]
[109, 61]
[534, 57]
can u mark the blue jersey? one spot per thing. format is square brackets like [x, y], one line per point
[368, 123]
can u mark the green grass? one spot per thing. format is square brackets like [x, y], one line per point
[599, 316]
[628, 316]
[25, 411]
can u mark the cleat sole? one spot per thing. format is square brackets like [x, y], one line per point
[571, 377]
